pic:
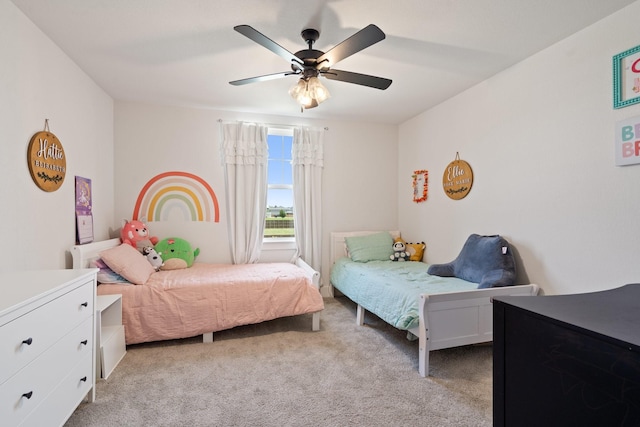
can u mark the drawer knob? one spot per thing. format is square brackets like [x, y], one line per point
[28, 341]
[27, 395]
[83, 379]
[85, 304]
[84, 342]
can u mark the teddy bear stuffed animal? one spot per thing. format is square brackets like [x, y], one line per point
[136, 234]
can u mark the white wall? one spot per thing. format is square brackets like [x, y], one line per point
[37, 82]
[359, 179]
[539, 137]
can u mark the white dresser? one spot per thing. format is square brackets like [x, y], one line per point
[47, 351]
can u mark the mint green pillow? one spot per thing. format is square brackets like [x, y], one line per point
[372, 247]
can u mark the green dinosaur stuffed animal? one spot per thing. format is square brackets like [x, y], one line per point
[176, 253]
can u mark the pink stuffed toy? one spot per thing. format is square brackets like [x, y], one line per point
[136, 234]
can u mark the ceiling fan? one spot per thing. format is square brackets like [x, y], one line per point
[310, 63]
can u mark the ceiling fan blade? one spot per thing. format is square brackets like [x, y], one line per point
[265, 41]
[364, 38]
[359, 79]
[261, 78]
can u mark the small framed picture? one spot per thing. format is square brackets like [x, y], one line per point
[420, 185]
[626, 78]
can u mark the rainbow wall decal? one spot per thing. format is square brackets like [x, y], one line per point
[181, 192]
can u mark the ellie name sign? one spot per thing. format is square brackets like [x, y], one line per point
[457, 179]
[47, 162]
[627, 143]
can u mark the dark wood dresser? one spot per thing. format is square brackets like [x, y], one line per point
[567, 360]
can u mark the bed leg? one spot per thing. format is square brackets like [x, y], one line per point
[360, 315]
[423, 360]
[207, 338]
[315, 321]
[423, 338]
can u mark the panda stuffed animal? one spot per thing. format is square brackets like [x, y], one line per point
[153, 257]
[399, 252]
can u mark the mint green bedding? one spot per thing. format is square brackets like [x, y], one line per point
[391, 290]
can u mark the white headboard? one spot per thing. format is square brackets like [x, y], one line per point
[338, 247]
[84, 254]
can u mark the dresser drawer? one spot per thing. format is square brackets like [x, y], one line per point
[64, 399]
[29, 335]
[29, 388]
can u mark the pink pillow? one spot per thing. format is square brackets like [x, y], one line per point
[129, 263]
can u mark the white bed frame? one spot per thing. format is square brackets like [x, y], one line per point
[448, 319]
[83, 254]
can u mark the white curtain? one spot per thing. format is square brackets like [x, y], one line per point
[307, 160]
[244, 154]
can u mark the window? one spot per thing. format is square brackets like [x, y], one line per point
[279, 217]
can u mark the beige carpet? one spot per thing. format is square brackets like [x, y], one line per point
[279, 373]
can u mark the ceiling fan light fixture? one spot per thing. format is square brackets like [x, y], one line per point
[309, 92]
[317, 90]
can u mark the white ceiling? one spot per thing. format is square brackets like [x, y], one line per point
[184, 52]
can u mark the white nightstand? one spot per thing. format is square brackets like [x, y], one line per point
[110, 344]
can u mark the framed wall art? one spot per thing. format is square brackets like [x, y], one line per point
[84, 214]
[627, 141]
[420, 185]
[626, 78]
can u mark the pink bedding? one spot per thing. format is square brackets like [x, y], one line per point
[212, 297]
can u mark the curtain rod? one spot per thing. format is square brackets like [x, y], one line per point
[267, 124]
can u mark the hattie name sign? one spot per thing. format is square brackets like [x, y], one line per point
[47, 162]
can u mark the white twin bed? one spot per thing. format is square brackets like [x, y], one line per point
[206, 298]
[440, 320]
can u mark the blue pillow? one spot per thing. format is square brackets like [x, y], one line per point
[372, 247]
[486, 260]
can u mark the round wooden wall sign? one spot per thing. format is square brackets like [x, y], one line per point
[47, 162]
[457, 179]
